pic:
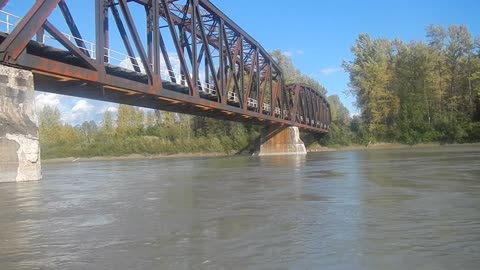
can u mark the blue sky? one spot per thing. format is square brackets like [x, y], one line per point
[316, 34]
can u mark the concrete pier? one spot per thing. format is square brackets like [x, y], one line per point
[19, 144]
[280, 141]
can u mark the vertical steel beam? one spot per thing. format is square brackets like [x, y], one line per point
[263, 92]
[222, 63]
[294, 109]
[270, 90]
[153, 46]
[193, 57]
[40, 35]
[257, 82]
[101, 33]
[242, 73]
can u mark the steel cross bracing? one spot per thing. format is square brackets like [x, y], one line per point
[217, 70]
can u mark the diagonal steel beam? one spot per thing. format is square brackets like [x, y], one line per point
[136, 38]
[69, 45]
[73, 27]
[15, 42]
[177, 42]
[3, 3]
[124, 36]
[208, 55]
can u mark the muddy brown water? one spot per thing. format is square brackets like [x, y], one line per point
[382, 209]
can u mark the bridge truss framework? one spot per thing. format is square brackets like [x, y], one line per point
[218, 70]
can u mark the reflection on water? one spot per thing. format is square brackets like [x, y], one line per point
[392, 209]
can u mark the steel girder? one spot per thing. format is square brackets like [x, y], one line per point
[218, 70]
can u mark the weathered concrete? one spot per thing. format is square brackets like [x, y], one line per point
[19, 144]
[280, 141]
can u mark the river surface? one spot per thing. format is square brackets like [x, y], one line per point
[383, 209]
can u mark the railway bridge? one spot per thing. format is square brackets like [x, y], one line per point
[183, 56]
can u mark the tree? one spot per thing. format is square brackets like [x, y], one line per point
[339, 112]
[293, 75]
[370, 82]
[129, 120]
[88, 129]
[49, 117]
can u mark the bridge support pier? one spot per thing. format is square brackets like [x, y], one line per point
[19, 144]
[280, 141]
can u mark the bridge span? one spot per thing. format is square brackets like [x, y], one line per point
[220, 71]
[183, 56]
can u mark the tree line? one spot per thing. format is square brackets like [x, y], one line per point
[134, 131]
[406, 92]
[416, 92]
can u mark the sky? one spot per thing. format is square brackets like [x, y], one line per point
[317, 35]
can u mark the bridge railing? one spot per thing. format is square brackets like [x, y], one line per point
[8, 21]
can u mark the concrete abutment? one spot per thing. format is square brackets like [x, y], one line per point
[280, 141]
[19, 143]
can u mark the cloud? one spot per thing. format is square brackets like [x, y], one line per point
[293, 53]
[331, 70]
[127, 64]
[82, 106]
[288, 53]
[111, 109]
[81, 111]
[165, 75]
[46, 99]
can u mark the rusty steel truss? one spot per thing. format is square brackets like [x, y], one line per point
[217, 70]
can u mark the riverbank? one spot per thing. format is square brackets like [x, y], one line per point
[311, 149]
[133, 157]
[318, 148]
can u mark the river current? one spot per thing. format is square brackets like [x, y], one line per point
[413, 208]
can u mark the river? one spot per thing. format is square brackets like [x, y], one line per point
[413, 208]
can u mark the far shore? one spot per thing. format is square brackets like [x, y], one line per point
[377, 146]
[133, 157]
[313, 149]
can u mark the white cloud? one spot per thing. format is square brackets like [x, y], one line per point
[82, 106]
[46, 99]
[81, 111]
[300, 52]
[330, 71]
[111, 109]
[127, 63]
[174, 61]
[288, 53]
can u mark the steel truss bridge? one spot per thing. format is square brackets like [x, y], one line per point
[217, 70]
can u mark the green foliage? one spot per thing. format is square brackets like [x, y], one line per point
[292, 74]
[157, 133]
[409, 93]
[338, 135]
[416, 92]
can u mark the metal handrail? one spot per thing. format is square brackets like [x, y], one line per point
[120, 57]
